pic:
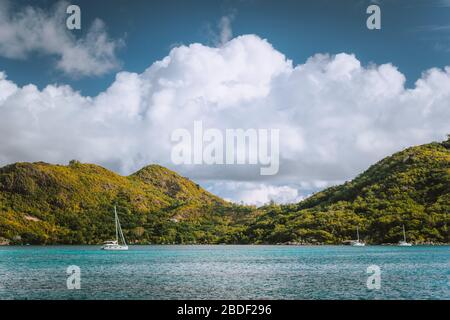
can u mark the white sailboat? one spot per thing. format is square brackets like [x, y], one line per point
[357, 242]
[404, 243]
[114, 244]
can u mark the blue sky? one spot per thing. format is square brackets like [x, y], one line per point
[414, 36]
[342, 96]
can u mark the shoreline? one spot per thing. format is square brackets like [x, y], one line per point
[226, 244]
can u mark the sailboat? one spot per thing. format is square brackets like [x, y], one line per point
[114, 244]
[404, 243]
[357, 243]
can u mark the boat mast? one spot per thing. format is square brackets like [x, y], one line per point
[357, 233]
[121, 232]
[116, 221]
[404, 234]
[118, 228]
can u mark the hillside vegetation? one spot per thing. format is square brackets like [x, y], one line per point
[42, 203]
[410, 188]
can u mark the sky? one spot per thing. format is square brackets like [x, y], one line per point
[341, 95]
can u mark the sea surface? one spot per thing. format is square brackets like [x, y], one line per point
[225, 272]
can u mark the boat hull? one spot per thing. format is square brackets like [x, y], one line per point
[115, 248]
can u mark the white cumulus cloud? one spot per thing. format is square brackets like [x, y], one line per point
[336, 116]
[31, 30]
[256, 193]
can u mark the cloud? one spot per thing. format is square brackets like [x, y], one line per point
[442, 3]
[444, 28]
[336, 117]
[34, 30]
[223, 32]
[256, 193]
[226, 32]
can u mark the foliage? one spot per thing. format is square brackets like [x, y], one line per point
[42, 203]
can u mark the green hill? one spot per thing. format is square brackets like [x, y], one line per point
[42, 203]
[411, 187]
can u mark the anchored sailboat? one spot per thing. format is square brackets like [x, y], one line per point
[357, 242]
[404, 243]
[114, 244]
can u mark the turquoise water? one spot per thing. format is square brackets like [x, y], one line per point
[225, 272]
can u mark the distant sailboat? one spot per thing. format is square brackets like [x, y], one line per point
[357, 242]
[404, 243]
[114, 244]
